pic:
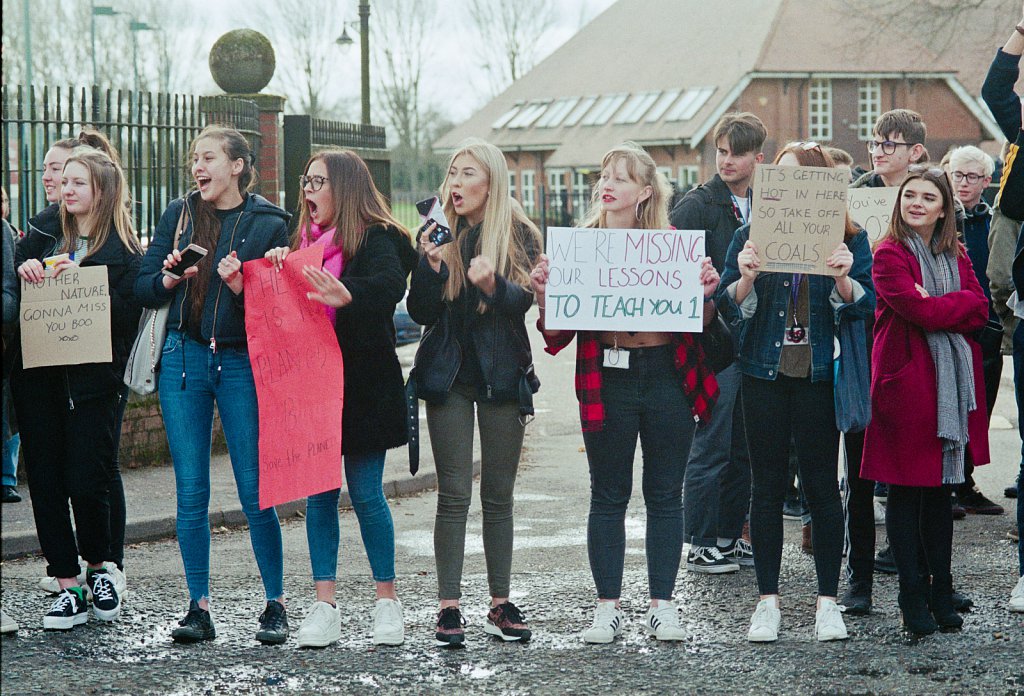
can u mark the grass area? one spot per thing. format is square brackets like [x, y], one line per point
[406, 214]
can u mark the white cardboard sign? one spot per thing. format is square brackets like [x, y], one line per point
[871, 208]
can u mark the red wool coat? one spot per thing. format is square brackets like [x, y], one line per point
[901, 445]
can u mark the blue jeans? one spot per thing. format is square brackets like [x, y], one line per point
[645, 401]
[1018, 385]
[187, 405]
[364, 474]
[11, 443]
[716, 495]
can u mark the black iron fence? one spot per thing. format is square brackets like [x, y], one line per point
[151, 131]
[304, 135]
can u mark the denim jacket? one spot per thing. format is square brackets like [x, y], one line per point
[761, 317]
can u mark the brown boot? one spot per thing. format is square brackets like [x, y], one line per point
[805, 540]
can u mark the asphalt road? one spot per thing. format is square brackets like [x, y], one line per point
[552, 583]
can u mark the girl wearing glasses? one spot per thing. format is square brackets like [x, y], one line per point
[472, 295]
[786, 357]
[205, 360]
[927, 390]
[367, 257]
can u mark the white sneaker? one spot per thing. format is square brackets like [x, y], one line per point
[1017, 596]
[7, 624]
[607, 624]
[119, 578]
[662, 622]
[828, 621]
[321, 627]
[50, 586]
[879, 512]
[764, 624]
[388, 624]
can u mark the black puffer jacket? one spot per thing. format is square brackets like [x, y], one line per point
[497, 337]
[92, 379]
[260, 226]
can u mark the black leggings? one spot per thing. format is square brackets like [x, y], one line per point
[860, 519]
[920, 526]
[804, 411]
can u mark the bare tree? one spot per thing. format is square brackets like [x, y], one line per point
[510, 36]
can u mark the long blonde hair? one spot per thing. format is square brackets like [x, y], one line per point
[110, 204]
[653, 212]
[498, 240]
[357, 202]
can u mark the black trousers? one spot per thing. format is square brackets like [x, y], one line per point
[70, 454]
[860, 519]
[920, 525]
[777, 412]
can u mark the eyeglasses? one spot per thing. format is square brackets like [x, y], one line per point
[888, 146]
[315, 183]
[971, 177]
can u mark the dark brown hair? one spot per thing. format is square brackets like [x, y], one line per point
[90, 137]
[901, 122]
[945, 237]
[357, 202]
[742, 130]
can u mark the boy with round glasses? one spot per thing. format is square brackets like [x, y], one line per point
[898, 142]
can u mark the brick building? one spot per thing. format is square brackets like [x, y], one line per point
[662, 72]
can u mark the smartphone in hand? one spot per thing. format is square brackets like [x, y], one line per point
[433, 214]
[190, 256]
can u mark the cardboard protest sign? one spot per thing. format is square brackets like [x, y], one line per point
[798, 217]
[871, 208]
[296, 363]
[624, 280]
[66, 320]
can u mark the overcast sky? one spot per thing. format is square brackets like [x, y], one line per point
[456, 101]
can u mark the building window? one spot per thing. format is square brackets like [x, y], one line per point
[667, 173]
[556, 180]
[529, 200]
[819, 110]
[512, 184]
[869, 107]
[689, 176]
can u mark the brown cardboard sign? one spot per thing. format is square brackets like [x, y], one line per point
[798, 217]
[66, 320]
[871, 208]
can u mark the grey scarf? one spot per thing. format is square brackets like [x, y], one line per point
[954, 368]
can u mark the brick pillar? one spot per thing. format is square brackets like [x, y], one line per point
[271, 163]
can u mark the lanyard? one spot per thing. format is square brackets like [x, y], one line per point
[737, 211]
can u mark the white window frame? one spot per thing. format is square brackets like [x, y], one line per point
[579, 111]
[529, 199]
[661, 105]
[606, 106]
[579, 182]
[636, 107]
[557, 113]
[512, 184]
[689, 176]
[667, 173]
[869, 107]
[556, 180]
[692, 101]
[819, 110]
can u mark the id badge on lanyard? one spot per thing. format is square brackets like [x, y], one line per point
[796, 334]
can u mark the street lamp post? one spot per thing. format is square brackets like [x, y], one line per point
[135, 26]
[97, 11]
[364, 54]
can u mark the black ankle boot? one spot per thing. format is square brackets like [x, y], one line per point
[942, 606]
[916, 617]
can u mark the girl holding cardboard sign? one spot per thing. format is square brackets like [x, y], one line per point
[650, 386]
[70, 415]
[205, 360]
[367, 257]
[786, 357]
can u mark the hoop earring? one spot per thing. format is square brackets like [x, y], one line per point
[638, 210]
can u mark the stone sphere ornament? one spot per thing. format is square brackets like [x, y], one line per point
[242, 61]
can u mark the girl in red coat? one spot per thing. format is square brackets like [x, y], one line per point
[926, 389]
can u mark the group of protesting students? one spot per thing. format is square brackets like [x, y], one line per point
[914, 299]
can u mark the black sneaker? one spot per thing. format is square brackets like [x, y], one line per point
[739, 551]
[884, 562]
[195, 627]
[958, 510]
[856, 603]
[708, 559]
[507, 622]
[1009, 492]
[451, 628]
[792, 509]
[106, 605]
[961, 602]
[68, 610]
[273, 624]
[975, 503]
[11, 494]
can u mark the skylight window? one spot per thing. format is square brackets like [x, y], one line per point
[557, 113]
[661, 106]
[691, 102]
[574, 117]
[530, 113]
[636, 107]
[507, 116]
[604, 110]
